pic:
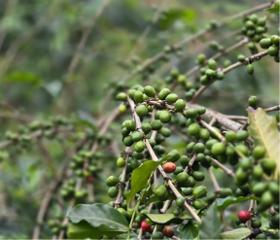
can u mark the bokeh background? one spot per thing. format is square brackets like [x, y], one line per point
[65, 57]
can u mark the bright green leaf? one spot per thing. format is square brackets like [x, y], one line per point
[104, 219]
[236, 234]
[140, 177]
[264, 129]
[161, 218]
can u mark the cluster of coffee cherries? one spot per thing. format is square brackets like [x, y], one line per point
[271, 43]
[164, 115]
[37, 129]
[254, 27]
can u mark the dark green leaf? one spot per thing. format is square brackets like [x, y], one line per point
[223, 203]
[103, 219]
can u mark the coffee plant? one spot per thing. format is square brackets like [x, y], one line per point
[181, 170]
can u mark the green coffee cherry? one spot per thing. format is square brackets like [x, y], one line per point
[112, 192]
[240, 176]
[258, 152]
[265, 43]
[268, 165]
[258, 172]
[230, 136]
[266, 199]
[156, 124]
[201, 59]
[121, 96]
[173, 156]
[180, 201]
[252, 101]
[242, 149]
[161, 192]
[199, 147]
[120, 162]
[164, 116]
[129, 124]
[212, 64]
[112, 181]
[171, 98]
[250, 69]
[187, 190]
[138, 96]
[199, 204]
[137, 136]
[149, 91]
[218, 148]
[180, 105]
[241, 135]
[273, 187]
[193, 129]
[146, 127]
[182, 178]
[128, 141]
[198, 176]
[166, 132]
[139, 146]
[259, 188]
[245, 163]
[199, 191]
[163, 93]
[141, 110]
[204, 134]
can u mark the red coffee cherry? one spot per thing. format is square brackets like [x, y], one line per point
[244, 215]
[169, 167]
[168, 231]
[145, 226]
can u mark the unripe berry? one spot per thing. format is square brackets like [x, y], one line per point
[163, 93]
[169, 167]
[164, 116]
[218, 148]
[141, 110]
[120, 162]
[244, 215]
[149, 91]
[193, 129]
[171, 98]
[112, 181]
[145, 226]
[199, 191]
[258, 152]
[180, 105]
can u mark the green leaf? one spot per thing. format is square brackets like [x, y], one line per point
[140, 177]
[236, 234]
[103, 219]
[81, 230]
[211, 224]
[189, 231]
[223, 203]
[263, 128]
[186, 16]
[161, 218]
[24, 78]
